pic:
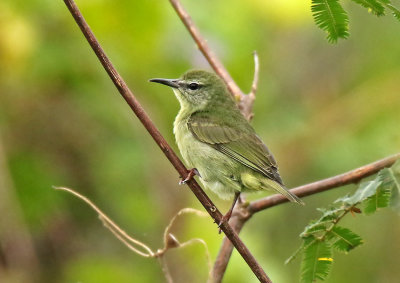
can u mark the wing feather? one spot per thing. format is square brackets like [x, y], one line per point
[240, 144]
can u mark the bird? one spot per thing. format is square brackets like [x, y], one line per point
[218, 143]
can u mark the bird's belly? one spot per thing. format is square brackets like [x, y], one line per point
[215, 168]
[200, 155]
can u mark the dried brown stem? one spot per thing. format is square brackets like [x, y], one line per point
[241, 215]
[205, 49]
[221, 263]
[141, 248]
[161, 142]
[254, 85]
[245, 102]
[134, 245]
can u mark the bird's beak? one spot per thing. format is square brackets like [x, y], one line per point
[169, 82]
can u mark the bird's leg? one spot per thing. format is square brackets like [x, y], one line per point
[191, 173]
[228, 215]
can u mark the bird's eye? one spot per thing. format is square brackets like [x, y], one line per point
[193, 86]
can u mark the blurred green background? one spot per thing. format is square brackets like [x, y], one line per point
[321, 108]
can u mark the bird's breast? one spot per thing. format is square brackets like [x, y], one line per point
[214, 167]
[188, 145]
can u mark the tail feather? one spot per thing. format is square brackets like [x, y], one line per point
[283, 190]
[257, 182]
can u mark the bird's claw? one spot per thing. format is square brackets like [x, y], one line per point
[191, 173]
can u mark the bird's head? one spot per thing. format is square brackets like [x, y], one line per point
[198, 89]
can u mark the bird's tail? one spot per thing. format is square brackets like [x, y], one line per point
[282, 190]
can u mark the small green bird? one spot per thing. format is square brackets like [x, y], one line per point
[218, 142]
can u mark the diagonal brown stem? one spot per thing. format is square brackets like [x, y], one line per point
[245, 102]
[161, 142]
[241, 215]
[205, 49]
[349, 177]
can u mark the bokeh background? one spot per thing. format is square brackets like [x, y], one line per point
[321, 108]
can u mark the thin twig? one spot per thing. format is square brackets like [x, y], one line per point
[204, 244]
[254, 85]
[245, 102]
[114, 228]
[161, 142]
[205, 49]
[170, 241]
[186, 210]
[241, 215]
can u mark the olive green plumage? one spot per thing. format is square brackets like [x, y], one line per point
[215, 138]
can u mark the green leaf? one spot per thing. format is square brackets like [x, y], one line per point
[342, 199]
[330, 16]
[317, 260]
[328, 217]
[377, 193]
[331, 214]
[394, 10]
[321, 236]
[379, 200]
[313, 228]
[375, 7]
[382, 196]
[395, 201]
[343, 239]
[394, 181]
[364, 191]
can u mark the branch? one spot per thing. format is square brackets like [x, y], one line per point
[245, 102]
[254, 85]
[226, 249]
[139, 247]
[131, 243]
[161, 142]
[242, 214]
[350, 177]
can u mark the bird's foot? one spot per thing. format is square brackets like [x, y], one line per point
[228, 215]
[190, 174]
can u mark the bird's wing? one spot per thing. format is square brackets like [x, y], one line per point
[242, 145]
